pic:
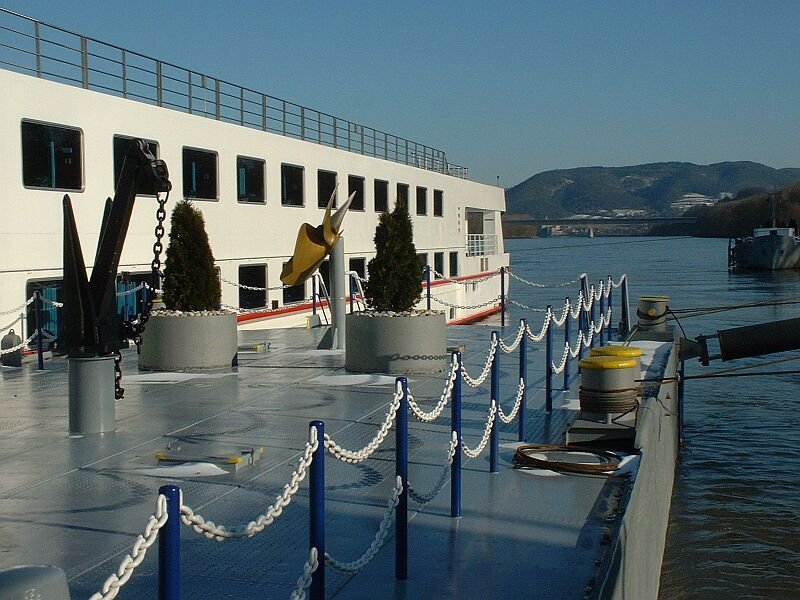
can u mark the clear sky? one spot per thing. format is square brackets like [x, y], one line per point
[507, 89]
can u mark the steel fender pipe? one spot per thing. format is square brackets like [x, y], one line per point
[755, 340]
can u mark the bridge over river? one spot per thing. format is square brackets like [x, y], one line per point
[594, 222]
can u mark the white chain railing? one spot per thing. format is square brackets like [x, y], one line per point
[438, 275]
[377, 542]
[507, 348]
[357, 456]
[112, 585]
[486, 433]
[517, 403]
[558, 369]
[491, 302]
[19, 346]
[304, 582]
[10, 325]
[138, 288]
[51, 302]
[559, 321]
[525, 306]
[252, 288]
[575, 310]
[486, 368]
[540, 336]
[221, 533]
[622, 278]
[420, 498]
[427, 417]
[542, 285]
[16, 309]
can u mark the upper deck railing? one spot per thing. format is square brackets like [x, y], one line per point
[49, 52]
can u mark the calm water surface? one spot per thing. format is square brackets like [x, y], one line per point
[733, 529]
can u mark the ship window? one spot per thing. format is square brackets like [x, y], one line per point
[438, 203]
[199, 174]
[438, 264]
[356, 184]
[122, 144]
[423, 262]
[326, 183]
[252, 276]
[250, 181]
[291, 185]
[454, 264]
[381, 196]
[51, 157]
[359, 265]
[402, 194]
[422, 201]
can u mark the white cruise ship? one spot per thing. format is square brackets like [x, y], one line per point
[257, 166]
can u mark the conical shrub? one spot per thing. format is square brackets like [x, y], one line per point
[394, 273]
[190, 279]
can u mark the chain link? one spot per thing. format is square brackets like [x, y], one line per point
[357, 456]
[304, 582]
[51, 302]
[540, 336]
[427, 417]
[252, 287]
[438, 275]
[425, 498]
[513, 346]
[542, 285]
[526, 307]
[19, 346]
[622, 278]
[112, 585]
[491, 302]
[517, 403]
[486, 432]
[558, 369]
[28, 302]
[486, 368]
[377, 542]
[10, 325]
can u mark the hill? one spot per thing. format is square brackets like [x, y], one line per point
[652, 187]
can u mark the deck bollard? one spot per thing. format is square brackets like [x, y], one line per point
[567, 334]
[495, 434]
[548, 358]
[316, 511]
[455, 420]
[37, 309]
[428, 284]
[523, 375]
[502, 296]
[169, 546]
[602, 316]
[401, 470]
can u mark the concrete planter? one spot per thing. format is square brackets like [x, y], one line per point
[396, 343]
[189, 341]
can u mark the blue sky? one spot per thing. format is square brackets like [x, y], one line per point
[507, 89]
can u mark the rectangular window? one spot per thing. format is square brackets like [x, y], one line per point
[250, 181]
[454, 264]
[356, 184]
[402, 194]
[438, 264]
[359, 265]
[423, 262]
[438, 203]
[252, 276]
[381, 196]
[51, 157]
[199, 174]
[122, 146]
[292, 185]
[295, 293]
[326, 184]
[422, 200]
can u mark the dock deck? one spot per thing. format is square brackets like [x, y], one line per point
[79, 502]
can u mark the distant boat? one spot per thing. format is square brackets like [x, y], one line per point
[769, 248]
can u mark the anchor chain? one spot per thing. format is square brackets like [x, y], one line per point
[119, 391]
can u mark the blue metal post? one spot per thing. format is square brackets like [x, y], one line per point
[455, 419]
[610, 309]
[316, 511]
[624, 313]
[523, 375]
[602, 314]
[37, 305]
[581, 324]
[428, 283]
[495, 435]
[169, 546]
[502, 296]
[313, 295]
[548, 358]
[567, 333]
[401, 470]
[350, 286]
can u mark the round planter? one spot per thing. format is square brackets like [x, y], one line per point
[395, 343]
[189, 341]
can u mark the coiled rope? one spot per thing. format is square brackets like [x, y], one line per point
[525, 457]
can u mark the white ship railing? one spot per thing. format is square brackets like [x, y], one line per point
[481, 244]
[49, 52]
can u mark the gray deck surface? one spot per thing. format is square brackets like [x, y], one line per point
[79, 503]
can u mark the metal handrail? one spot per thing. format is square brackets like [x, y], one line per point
[63, 56]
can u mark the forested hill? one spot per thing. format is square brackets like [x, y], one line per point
[653, 186]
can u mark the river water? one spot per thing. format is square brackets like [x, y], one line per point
[734, 527]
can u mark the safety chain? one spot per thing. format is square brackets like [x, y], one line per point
[119, 391]
[112, 585]
[542, 285]
[425, 498]
[579, 306]
[486, 368]
[132, 290]
[245, 311]
[622, 278]
[494, 300]
[427, 417]
[558, 322]
[558, 369]
[517, 403]
[357, 456]
[526, 307]
[28, 302]
[377, 542]
[252, 287]
[221, 533]
[304, 582]
[51, 302]
[488, 430]
[10, 325]
[513, 346]
[19, 346]
[540, 336]
[438, 275]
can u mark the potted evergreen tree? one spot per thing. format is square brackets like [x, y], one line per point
[191, 332]
[392, 336]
